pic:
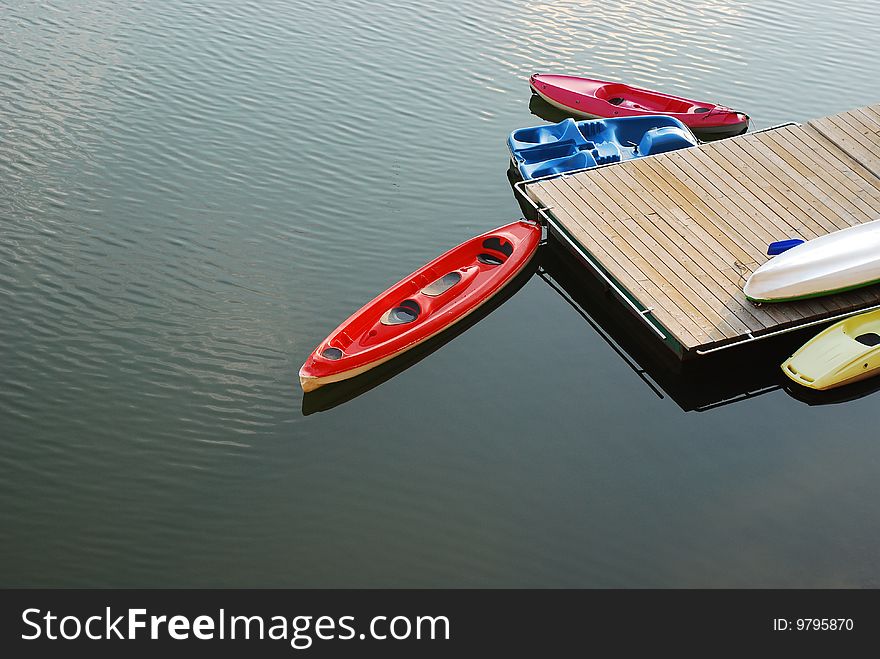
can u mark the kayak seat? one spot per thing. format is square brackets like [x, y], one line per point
[441, 285]
[489, 259]
[581, 160]
[614, 93]
[406, 312]
[869, 339]
[499, 245]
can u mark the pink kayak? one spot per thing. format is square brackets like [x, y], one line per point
[598, 98]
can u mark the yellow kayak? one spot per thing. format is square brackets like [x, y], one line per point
[846, 352]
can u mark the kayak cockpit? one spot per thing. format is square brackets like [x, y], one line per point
[331, 353]
[870, 339]
[406, 312]
[441, 285]
[440, 292]
[634, 98]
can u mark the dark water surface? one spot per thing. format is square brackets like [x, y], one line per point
[192, 194]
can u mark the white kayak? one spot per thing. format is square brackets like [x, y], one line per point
[832, 263]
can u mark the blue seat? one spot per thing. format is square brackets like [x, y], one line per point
[592, 129]
[547, 152]
[524, 138]
[581, 160]
[661, 140]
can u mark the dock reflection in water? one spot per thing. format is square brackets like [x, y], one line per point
[696, 385]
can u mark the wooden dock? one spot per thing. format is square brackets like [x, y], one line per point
[677, 234]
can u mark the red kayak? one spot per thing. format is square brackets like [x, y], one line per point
[423, 304]
[601, 99]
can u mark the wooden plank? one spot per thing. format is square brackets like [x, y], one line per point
[814, 181]
[865, 142]
[715, 220]
[751, 194]
[789, 206]
[711, 244]
[663, 222]
[872, 111]
[838, 186]
[773, 192]
[657, 226]
[857, 179]
[683, 224]
[867, 124]
[772, 168]
[689, 299]
[850, 146]
[718, 211]
[668, 306]
[720, 218]
[853, 170]
[738, 210]
[629, 269]
[826, 151]
[854, 176]
[792, 188]
[786, 181]
[742, 270]
[687, 193]
[850, 124]
[811, 180]
[677, 224]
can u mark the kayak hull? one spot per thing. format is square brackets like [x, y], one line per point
[422, 305]
[833, 263]
[846, 352]
[592, 98]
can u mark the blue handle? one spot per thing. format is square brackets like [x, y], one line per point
[782, 246]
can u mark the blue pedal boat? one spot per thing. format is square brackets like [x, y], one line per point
[570, 145]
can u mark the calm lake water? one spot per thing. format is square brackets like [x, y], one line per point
[193, 194]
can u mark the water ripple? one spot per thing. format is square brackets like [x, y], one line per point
[193, 193]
